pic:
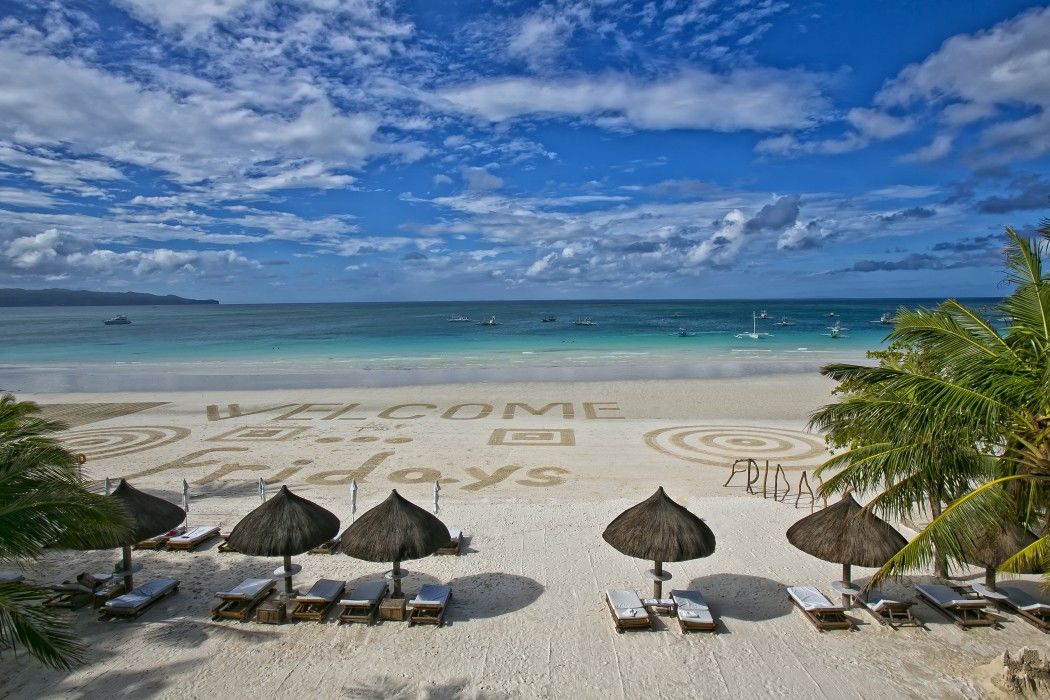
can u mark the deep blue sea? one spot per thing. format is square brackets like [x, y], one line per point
[70, 349]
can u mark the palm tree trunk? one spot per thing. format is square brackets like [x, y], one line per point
[940, 566]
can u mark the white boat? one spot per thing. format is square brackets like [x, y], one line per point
[491, 322]
[785, 321]
[832, 314]
[754, 334]
[683, 333]
[763, 314]
[585, 322]
[836, 331]
[118, 321]
[456, 318]
[885, 320]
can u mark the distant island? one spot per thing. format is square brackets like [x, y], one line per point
[83, 297]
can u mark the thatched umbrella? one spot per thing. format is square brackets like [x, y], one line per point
[661, 530]
[396, 530]
[847, 534]
[990, 547]
[284, 525]
[148, 515]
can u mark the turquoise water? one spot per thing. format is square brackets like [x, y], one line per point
[360, 339]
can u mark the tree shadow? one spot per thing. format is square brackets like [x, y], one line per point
[743, 597]
[386, 688]
[491, 594]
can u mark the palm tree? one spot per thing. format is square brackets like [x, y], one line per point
[961, 416]
[43, 502]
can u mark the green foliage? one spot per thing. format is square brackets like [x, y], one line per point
[954, 417]
[43, 502]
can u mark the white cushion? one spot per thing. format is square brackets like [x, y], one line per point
[432, 595]
[809, 598]
[248, 588]
[366, 593]
[196, 533]
[946, 597]
[144, 594]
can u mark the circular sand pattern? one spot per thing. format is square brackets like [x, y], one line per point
[103, 443]
[721, 445]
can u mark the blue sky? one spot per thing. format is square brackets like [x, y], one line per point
[345, 150]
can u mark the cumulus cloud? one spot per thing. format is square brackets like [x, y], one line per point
[477, 179]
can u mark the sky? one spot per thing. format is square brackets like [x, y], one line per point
[364, 150]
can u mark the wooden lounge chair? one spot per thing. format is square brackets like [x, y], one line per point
[316, 603]
[693, 612]
[455, 543]
[428, 607]
[329, 546]
[1019, 602]
[890, 611]
[821, 612]
[627, 610]
[159, 541]
[83, 590]
[240, 603]
[131, 605]
[362, 604]
[964, 612]
[192, 539]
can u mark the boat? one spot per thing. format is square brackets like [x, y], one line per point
[491, 322]
[585, 322]
[550, 319]
[763, 314]
[832, 314]
[754, 334]
[785, 321]
[836, 331]
[885, 320]
[118, 321]
[456, 318]
[683, 333]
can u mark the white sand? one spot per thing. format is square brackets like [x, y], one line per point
[527, 616]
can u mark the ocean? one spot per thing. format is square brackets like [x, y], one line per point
[68, 349]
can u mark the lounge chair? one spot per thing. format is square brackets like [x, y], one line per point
[455, 543]
[362, 604]
[318, 600]
[890, 611]
[329, 546]
[10, 577]
[192, 539]
[133, 604]
[83, 590]
[821, 612]
[240, 603]
[1017, 601]
[159, 541]
[964, 612]
[627, 610]
[693, 612]
[428, 607]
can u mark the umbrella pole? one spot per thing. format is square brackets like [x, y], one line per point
[989, 577]
[846, 576]
[658, 585]
[395, 576]
[125, 564]
[288, 575]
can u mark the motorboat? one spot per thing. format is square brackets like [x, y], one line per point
[832, 314]
[456, 318]
[885, 320]
[585, 322]
[491, 322]
[550, 319]
[785, 321]
[836, 331]
[754, 334]
[683, 333]
[118, 321]
[763, 314]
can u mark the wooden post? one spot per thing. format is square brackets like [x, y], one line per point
[288, 575]
[395, 576]
[846, 575]
[125, 563]
[658, 585]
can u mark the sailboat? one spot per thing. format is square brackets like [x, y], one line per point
[763, 314]
[836, 331]
[785, 321]
[754, 334]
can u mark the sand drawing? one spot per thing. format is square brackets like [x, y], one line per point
[720, 445]
[104, 443]
[533, 437]
[75, 415]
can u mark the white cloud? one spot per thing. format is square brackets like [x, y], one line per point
[477, 179]
[26, 198]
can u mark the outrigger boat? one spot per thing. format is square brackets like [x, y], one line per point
[754, 334]
[118, 321]
[835, 331]
[491, 322]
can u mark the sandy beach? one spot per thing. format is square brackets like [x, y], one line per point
[532, 473]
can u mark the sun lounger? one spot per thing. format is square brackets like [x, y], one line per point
[891, 611]
[821, 612]
[965, 612]
[329, 546]
[159, 541]
[454, 544]
[316, 603]
[194, 538]
[693, 612]
[363, 602]
[10, 577]
[428, 607]
[239, 603]
[85, 589]
[133, 604]
[627, 610]
[1018, 601]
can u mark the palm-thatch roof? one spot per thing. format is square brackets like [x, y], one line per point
[846, 533]
[395, 530]
[148, 515]
[284, 525]
[990, 547]
[659, 529]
